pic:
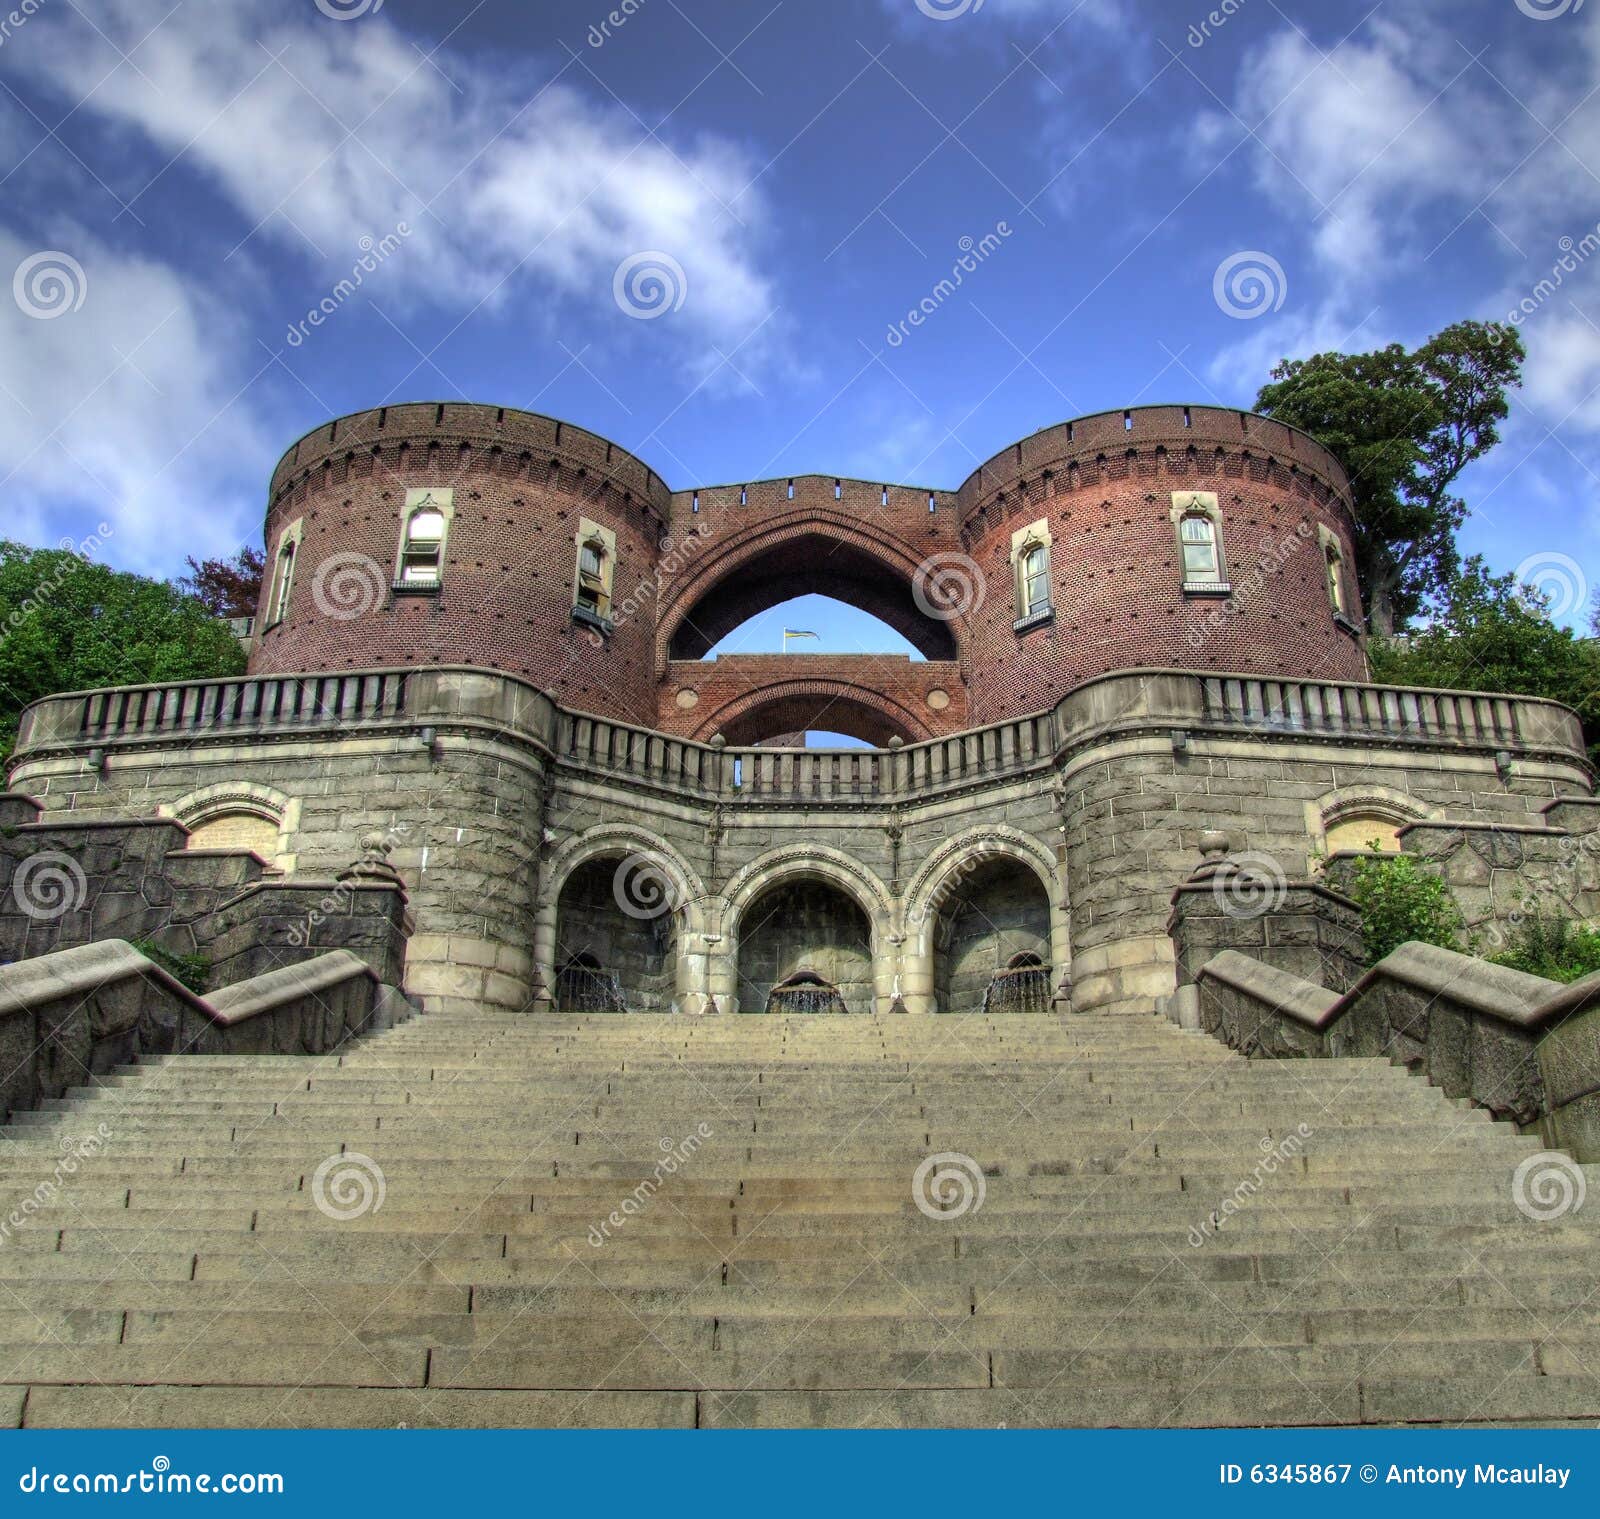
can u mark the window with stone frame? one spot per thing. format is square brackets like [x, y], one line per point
[419, 560]
[1030, 570]
[1033, 580]
[594, 572]
[1202, 558]
[1335, 562]
[1197, 525]
[283, 565]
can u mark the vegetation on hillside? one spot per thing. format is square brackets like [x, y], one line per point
[67, 623]
[1553, 947]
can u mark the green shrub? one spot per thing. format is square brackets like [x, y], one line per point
[1402, 900]
[1552, 947]
[192, 971]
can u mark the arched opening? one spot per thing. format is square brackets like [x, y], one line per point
[809, 939]
[616, 948]
[805, 992]
[992, 941]
[818, 715]
[840, 682]
[813, 564]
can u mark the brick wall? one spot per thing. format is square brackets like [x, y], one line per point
[692, 564]
[872, 696]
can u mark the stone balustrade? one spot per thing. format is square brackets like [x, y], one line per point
[434, 701]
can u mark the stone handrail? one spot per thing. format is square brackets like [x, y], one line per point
[77, 1013]
[502, 706]
[1525, 1048]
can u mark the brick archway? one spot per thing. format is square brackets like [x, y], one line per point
[812, 552]
[796, 706]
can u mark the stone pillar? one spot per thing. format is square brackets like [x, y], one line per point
[1297, 926]
[916, 972]
[544, 950]
[885, 966]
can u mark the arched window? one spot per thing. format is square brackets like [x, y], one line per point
[1335, 561]
[1033, 580]
[283, 583]
[592, 577]
[1030, 570]
[1202, 562]
[593, 574]
[422, 550]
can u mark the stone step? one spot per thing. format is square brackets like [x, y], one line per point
[782, 1273]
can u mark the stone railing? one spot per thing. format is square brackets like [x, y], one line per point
[75, 1014]
[1394, 715]
[461, 700]
[1525, 1048]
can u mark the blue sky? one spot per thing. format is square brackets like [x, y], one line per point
[810, 169]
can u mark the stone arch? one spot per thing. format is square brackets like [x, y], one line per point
[794, 706]
[239, 815]
[818, 861]
[627, 839]
[935, 882]
[1336, 820]
[797, 865]
[858, 564]
[685, 892]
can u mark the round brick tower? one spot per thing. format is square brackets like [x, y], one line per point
[455, 534]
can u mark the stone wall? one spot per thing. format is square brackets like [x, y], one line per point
[492, 798]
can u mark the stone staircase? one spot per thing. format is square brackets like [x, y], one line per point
[1376, 1270]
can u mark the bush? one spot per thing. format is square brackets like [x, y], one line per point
[1552, 947]
[1401, 901]
[192, 971]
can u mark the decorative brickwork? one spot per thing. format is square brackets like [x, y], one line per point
[691, 565]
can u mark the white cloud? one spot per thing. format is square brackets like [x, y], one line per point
[322, 133]
[1365, 141]
[122, 410]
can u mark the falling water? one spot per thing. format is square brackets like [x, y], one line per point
[806, 997]
[1025, 989]
[587, 989]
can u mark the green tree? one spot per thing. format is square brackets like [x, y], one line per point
[67, 623]
[1487, 633]
[1404, 423]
